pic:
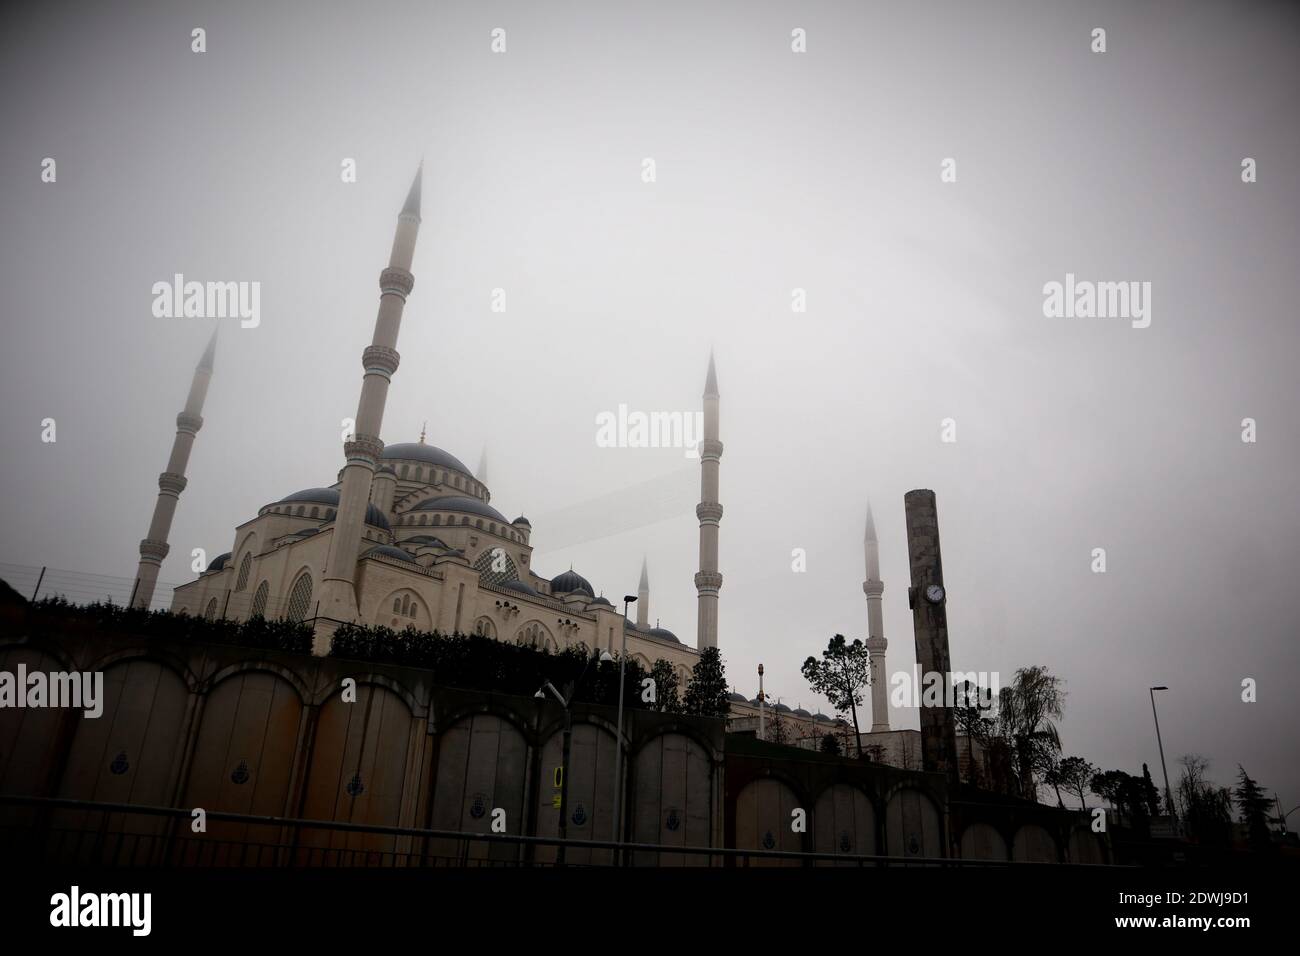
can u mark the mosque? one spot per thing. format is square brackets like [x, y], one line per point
[408, 535]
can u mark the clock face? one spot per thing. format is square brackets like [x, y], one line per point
[934, 593]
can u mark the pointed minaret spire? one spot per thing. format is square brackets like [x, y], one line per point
[643, 598]
[876, 643]
[412, 206]
[338, 601]
[172, 481]
[708, 580]
[423, 428]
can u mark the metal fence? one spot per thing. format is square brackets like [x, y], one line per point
[80, 587]
[49, 831]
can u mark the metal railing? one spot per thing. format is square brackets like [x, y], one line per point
[44, 830]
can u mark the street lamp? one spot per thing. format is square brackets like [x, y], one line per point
[618, 740]
[565, 700]
[1169, 799]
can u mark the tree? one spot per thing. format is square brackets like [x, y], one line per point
[975, 720]
[1149, 792]
[1025, 721]
[840, 676]
[1253, 805]
[1054, 777]
[830, 745]
[873, 753]
[1074, 774]
[665, 679]
[1206, 808]
[706, 692]
[778, 731]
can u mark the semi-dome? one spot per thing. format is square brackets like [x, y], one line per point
[426, 540]
[571, 581]
[522, 520]
[388, 551]
[663, 634]
[462, 504]
[219, 562]
[429, 454]
[330, 498]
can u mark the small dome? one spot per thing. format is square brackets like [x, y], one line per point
[821, 718]
[389, 551]
[737, 698]
[602, 600]
[782, 709]
[663, 634]
[800, 712]
[756, 702]
[462, 504]
[520, 586]
[219, 562]
[330, 497]
[571, 581]
[523, 521]
[426, 541]
[428, 454]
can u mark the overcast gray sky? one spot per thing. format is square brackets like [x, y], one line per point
[775, 171]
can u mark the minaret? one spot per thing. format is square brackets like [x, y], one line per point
[338, 600]
[643, 598]
[708, 581]
[876, 643]
[172, 481]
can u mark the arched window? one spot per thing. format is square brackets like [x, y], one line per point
[246, 565]
[415, 609]
[464, 520]
[422, 517]
[479, 524]
[211, 612]
[259, 600]
[315, 512]
[485, 628]
[406, 604]
[397, 605]
[424, 476]
[459, 483]
[329, 515]
[299, 598]
[401, 472]
[437, 519]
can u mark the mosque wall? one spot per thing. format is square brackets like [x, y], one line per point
[267, 733]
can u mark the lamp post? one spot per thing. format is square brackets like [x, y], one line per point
[761, 702]
[565, 700]
[1169, 799]
[618, 740]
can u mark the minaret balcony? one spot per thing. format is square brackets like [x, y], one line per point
[380, 358]
[708, 580]
[709, 512]
[171, 483]
[189, 423]
[396, 281]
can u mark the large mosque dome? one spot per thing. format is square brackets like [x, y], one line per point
[462, 504]
[330, 497]
[427, 454]
[571, 581]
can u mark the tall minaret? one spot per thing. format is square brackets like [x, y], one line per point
[172, 481]
[876, 643]
[338, 600]
[708, 581]
[643, 599]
